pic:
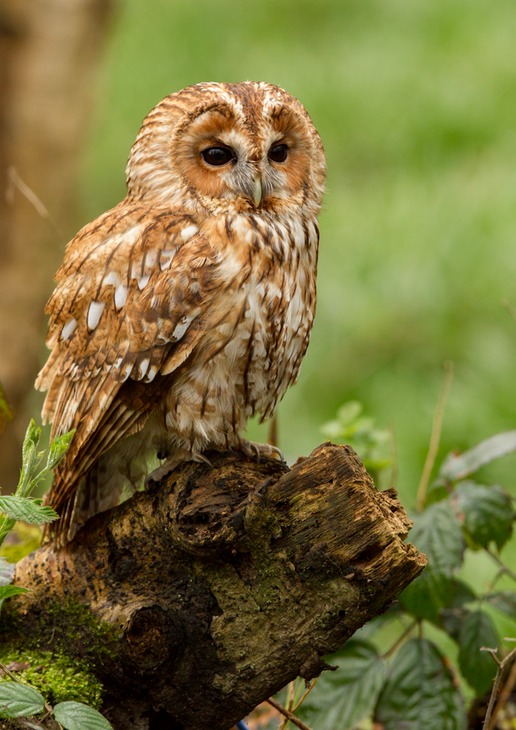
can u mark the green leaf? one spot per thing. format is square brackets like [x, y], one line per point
[8, 591]
[460, 466]
[28, 510]
[58, 449]
[420, 693]
[77, 716]
[504, 601]
[478, 667]
[342, 698]
[437, 533]
[427, 595]
[486, 513]
[19, 700]
[30, 458]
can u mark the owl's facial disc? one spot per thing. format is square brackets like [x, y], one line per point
[247, 172]
[232, 160]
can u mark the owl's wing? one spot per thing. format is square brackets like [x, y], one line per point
[130, 304]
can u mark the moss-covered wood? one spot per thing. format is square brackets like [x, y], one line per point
[208, 593]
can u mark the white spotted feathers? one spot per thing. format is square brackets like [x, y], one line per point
[187, 308]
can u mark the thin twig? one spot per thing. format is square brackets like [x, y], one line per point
[501, 664]
[306, 693]
[288, 714]
[273, 438]
[16, 183]
[501, 564]
[290, 703]
[399, 640]
[435, 437]
[505, 693]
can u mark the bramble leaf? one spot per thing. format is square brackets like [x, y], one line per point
[437, 534]
[427, 595]
[58, 449]
[19, 700]
[27, 510]
[486, 512]
[459, 466]
[8, 591]
[477, 667]
[77, 716]
[342, 698]
[504, 601]
[420, 692]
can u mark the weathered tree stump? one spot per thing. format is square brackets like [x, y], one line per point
[214, 589]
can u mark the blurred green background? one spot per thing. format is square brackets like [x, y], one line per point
[416, 105]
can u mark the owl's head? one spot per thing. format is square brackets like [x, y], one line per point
[228, 147]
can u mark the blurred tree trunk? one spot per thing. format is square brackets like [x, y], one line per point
[49, 54]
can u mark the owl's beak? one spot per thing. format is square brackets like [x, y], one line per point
[256, 191]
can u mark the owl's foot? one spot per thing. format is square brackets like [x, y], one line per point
[261, 451]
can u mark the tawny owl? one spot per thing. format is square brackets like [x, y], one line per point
[187, 308]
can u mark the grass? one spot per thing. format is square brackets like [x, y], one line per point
[416, 105]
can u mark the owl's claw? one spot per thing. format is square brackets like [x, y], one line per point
[261, 451]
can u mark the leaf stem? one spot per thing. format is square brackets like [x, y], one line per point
[399, 640]
[290, 715]
[504, 694]
[501, 664]
[435, 436]
[501, 564]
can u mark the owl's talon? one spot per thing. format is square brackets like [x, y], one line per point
[261, 451]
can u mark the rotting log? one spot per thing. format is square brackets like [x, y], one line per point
[214, 589]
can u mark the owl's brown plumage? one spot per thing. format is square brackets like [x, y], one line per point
[187, 308]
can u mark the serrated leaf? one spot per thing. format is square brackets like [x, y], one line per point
[8, 591]
[427, 595]
[420, 692]
[460, 466]
[437, 533]
[26, 509]
[486, 513]
[342, 698]
[19, 700]
[58, 449]
[30, 459]
[478, 667]
[77, 716]
[504, 601]
[433, 595]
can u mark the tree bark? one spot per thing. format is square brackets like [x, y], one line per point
[49, 55]
[216, 588]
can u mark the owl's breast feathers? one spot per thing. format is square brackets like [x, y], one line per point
[204, 321]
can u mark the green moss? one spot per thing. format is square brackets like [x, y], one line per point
[74, 625]
[56, 676]
[58, 654]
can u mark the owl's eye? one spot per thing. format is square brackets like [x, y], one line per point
[278, 153]
[218, 156]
